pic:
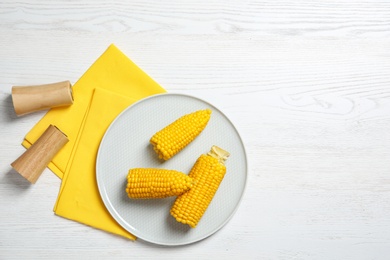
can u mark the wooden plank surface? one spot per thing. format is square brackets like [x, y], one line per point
[306, 83]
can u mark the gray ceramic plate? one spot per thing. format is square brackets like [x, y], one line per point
[126, 145]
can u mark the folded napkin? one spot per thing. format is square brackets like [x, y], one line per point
[79, 198]
[112, 71]
[112, 83]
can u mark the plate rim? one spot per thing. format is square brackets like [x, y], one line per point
[116, 216]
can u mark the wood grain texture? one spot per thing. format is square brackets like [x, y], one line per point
[29, 99]
[306, 83]
[37, 157]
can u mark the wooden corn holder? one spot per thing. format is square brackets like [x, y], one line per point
[28, 99]
[32, 162]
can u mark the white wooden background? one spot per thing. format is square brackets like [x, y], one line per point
[307, 84]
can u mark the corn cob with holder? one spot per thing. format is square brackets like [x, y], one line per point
[173, 138]
[207, 174]
[149, 183]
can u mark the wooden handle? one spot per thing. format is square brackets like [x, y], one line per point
[32, 162]
[29, 99]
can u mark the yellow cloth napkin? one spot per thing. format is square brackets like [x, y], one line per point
[93, 108]
[112, 71]
[79, 197]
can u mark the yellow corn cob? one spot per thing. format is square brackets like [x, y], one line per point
[173, 138]
[207, 174]
[148, 183]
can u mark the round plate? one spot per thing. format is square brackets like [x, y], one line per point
[126, 145]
